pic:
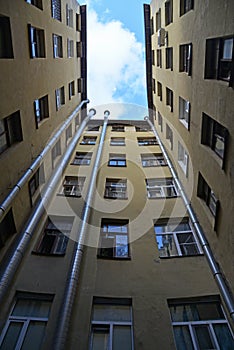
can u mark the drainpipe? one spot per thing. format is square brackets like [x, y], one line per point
[214, 266]
[75, 269]
[16, 256]
[24, 179]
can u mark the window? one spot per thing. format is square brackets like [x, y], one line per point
[6, 49]
[36, 3]
[56, 152]
[82, 158]
[79, 51]
[219, 59]
[116, 189]
[161, 188]
[169, 58]
[168, 12]
[169, 135]
[159, 90]
[34, 184]
[7, 228]
[80, 85]
[117, 141]
[185, 6]
[27, 322]
[78, 22]
[93, 128]
[184, 112]
[60, 97]
[10, 131]
[199, 323]
[214, 135]
[68, 133]
[153, 85]
[71, 89]
[111, 325]
[158, 20]
[147, 141]
[183, 158]
[70, 48]
[185, 63]
[41, 109]
[152, 160]
[159, 58]
[69, 16]
[205, 192]
[114, 239]
[153, 57]
[72, 186]
[57, 46]
[55, 236]
[36, 42]
[56, 9]
[169, 98]
[175, 238]
[77, 121]
[89, 140]
[142, 129]
[118, 128]
[160, 121]
[117, 160]
[152, 25]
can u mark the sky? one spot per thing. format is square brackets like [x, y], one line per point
[116, 53]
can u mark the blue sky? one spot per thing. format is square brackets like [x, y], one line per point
[116, 52]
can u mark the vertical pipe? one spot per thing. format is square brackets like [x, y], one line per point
[75, 270]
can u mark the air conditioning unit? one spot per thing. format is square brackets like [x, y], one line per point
[161, 37]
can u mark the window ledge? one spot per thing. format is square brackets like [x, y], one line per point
[115, 198]
[69, 196]
[117, 166]
[183, 121]
[113, 258]
[163, 197]
[180, 256]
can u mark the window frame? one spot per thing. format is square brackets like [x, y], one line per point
[159, 90]
[183, 158]
[6, 49]
[56, 152]
[152, 160]
[205, 193]
[117, 141]
[184, 112]
[185, 61]
[169, 98]
[117, 128]
[70, 48]
[168, 12]
[57, 46]
[10, 131]
[116, 188]
[36, 42]
[59, 97]
[147, 141]
[8, 228]
[88, 140]
[41, 109]
[71, 89]
[82, 158]
[169, 135]
[117, 160]
[72, 186]
[186, 6]
[56, 12]
[160, 188]
[69, 16]
[169, 58]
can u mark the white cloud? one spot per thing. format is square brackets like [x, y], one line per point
[116, 68]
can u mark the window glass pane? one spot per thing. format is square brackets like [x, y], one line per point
[100, 340]
[203, 337]
[224, 337]
[166, 245]
[33, 308]
[34, 335]
[111, 313]
[227, 49]
[187, 244]
[122, 338]
[11, 336]
[196, 312]
[183, 338]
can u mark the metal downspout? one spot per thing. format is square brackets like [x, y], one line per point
[4, 206]
[15, 258]
[75, 269]
[217, 274]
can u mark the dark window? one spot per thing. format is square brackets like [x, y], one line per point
[73, 186]
[185, 6]
[168, 12]
[219, 59]
[214, 135]
[153, 57]
[89, 140]
[70, 48]
[159, 58]
[205, 192]
[169, 58]
[82, 158]
[158, 20]
[153, 85]
[10, 131]
[169, 98]
[147, 141]
[34, 184]
[152, 25]
[184, 112]
[142, 129]
[36, 3]
[36, 42]
[78, 22]
[79, 51]
[159, 90]
[161, 188]
[55, 236]
[7, 228]
[160, 121]
[152, 160]
[117, 160]
[6, 49]
[169, 135]
[93, 128]
[116, 189]
[69, 16]
[71, 89]
[60, 97]
[56, 9]
[118, 128]
[68, 133]
[113, 241]
[41, 109]
[57, 46]
[56, 152]
[117, 141]
[175, 238]
[199, 323]
[80, 85]
[185, 64]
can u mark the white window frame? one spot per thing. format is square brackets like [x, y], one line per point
[57, 40]
[184, 112]
[75, 184]
[116, 188]
[183, 158]
[160, 188]
[147, 141]
[70, 48]
[69, 16]
[152, 160]
[89, 140]
[82, 158]
[108, 232]
[117, 160]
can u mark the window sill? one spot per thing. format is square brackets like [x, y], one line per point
[163, 197]
[117, 166]
[183, 121]
[113, 258]
[114, 198]
[69, 196]
[180, 256]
